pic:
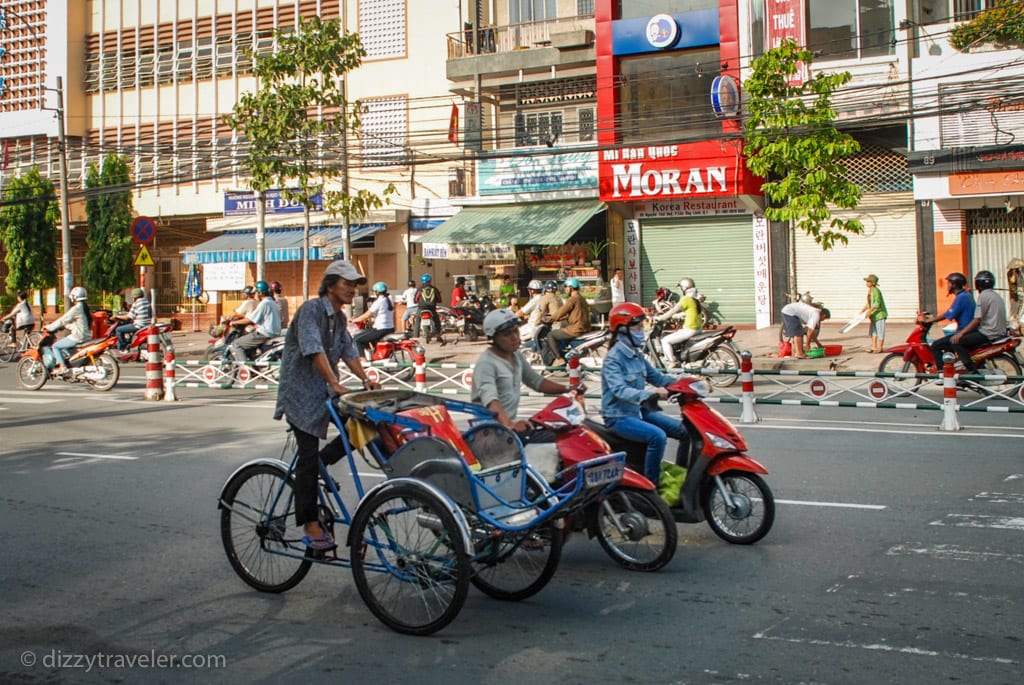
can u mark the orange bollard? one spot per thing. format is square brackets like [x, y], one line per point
[748, 414]
[949, 419]
[169, 395]
[574, 371]
[154, 384]
[420, 364]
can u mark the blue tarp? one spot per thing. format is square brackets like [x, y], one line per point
[281, 245]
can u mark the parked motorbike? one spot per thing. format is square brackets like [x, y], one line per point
[632, 523]
[472, 311]
[723, 485]
[915, 356]
[91, 362]
[712, 349]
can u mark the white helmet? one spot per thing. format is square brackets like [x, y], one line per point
[535, 285]
[499, 320]
[686, 283]
[78, 294]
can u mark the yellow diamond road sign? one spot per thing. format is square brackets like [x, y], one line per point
[144, 258]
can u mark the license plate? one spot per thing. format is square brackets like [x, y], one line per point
[596, 476]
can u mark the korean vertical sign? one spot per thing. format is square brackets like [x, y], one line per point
[631, 229]
[762, 274]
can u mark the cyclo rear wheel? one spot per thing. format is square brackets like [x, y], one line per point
[409, 560]
[257, 527]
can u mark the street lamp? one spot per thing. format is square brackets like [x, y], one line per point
[65, 228]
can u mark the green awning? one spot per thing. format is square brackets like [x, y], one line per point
[533, 223]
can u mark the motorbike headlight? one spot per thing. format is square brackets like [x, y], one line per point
[701, 388]
[720, 442]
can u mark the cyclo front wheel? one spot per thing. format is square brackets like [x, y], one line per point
[257, 527]
[409, 561]
[636, 528]
[514, 566]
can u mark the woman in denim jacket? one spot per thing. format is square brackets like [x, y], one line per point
[624, 375]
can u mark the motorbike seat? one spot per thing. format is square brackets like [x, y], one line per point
[588, 337]
[397, 337]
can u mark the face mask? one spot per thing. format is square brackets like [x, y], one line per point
[636, 336]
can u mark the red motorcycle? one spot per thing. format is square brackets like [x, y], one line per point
[915, 357]
[399, 348]
[632, 522]
[722, 484]
[140, 340]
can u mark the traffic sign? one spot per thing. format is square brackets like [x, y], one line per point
[143, 230]
[467, 378]
[878, 390]
[144, 258]
[818, 387]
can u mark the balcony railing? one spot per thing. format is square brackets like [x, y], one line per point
[495, 39]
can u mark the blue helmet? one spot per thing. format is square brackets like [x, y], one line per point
[380, 287]
[572, 282]
[550, 286]
[425, 278]
[262, 287]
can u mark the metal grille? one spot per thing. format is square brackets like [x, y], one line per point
[879, 170]
[995, 237]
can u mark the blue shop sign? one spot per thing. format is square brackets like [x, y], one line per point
[243, 203]
[653, 34]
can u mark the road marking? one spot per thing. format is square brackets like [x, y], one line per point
[952, 553]
[843, 429]
[837, 505]
[882, 647]
[999, 497]
[981, 521]
[97, 456]
[29, 400]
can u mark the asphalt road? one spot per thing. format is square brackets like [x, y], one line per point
[894, 559]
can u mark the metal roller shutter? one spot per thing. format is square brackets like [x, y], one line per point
[887, 248]
[716, 252]
[995, 236]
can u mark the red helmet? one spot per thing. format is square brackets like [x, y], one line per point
[625, 314]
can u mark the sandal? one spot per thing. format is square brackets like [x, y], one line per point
[321, 543]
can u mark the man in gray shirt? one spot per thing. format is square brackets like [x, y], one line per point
[988, 324]
[317, 338]
[501, 370]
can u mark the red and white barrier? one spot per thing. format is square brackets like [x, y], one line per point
[419, 359]
[748, 415]
[574, 372]
[154, 383]
[169, 395]
[949, 418]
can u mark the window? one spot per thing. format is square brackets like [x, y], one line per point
[522, 11]
[757, 31]
[382, 28]
[584, 8]
[641, 9]
[384, 132]
[965, 10]
[664, 97]
[848, 29]
[585, 117]
[538, 128]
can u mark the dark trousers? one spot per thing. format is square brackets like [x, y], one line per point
[555, 339]
[367, 338]
[307, 470]
[968, 341]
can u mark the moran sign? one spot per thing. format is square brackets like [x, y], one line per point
[664, 171]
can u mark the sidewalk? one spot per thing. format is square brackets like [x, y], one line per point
[763, 344]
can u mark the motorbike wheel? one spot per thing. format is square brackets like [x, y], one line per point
[636, 528]
[753, 510]
[1000, 364]
[514, 566]
[32, 375]
[113, 369]
[472, 335]
[722, 358]
[893, 363]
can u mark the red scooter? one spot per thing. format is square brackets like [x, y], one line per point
[140, 341]
[915, 356]
[632, 522]
[722, 485]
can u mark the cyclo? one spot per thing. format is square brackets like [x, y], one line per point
[455, 508]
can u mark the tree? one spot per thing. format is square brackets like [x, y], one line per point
[298, 114]
[108, 206]
[791, 140]
[28, 221]
[1001, 23]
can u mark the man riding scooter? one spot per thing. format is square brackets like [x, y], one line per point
[987, 324]
[688, 307]
[266, 320]
[576, 314]
[962, 312]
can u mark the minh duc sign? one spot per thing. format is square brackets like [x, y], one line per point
[243, 203]
[652, 172]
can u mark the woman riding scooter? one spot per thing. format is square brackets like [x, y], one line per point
[78, 322]
[623, 378]
[383, 312]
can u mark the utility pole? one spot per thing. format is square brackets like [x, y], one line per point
[65, 221]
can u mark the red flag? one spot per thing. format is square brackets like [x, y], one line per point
[453, 125]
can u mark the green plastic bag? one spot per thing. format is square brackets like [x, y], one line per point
[670, 482]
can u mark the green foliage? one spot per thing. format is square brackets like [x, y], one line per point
[290, 144]
[28, 229]
[1002, 23]
[792, 141]
[108, 261]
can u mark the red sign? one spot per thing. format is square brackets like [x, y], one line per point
[877, 390]
[143, 230]
[818, 387]
[785, 20]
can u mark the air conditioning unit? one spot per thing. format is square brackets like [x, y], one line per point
[456, 182]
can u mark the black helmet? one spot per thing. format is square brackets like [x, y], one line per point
[550, 286]
[956, 281]
[249, 291]
[984, 280]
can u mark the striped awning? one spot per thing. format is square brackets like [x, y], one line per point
[281, 245]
